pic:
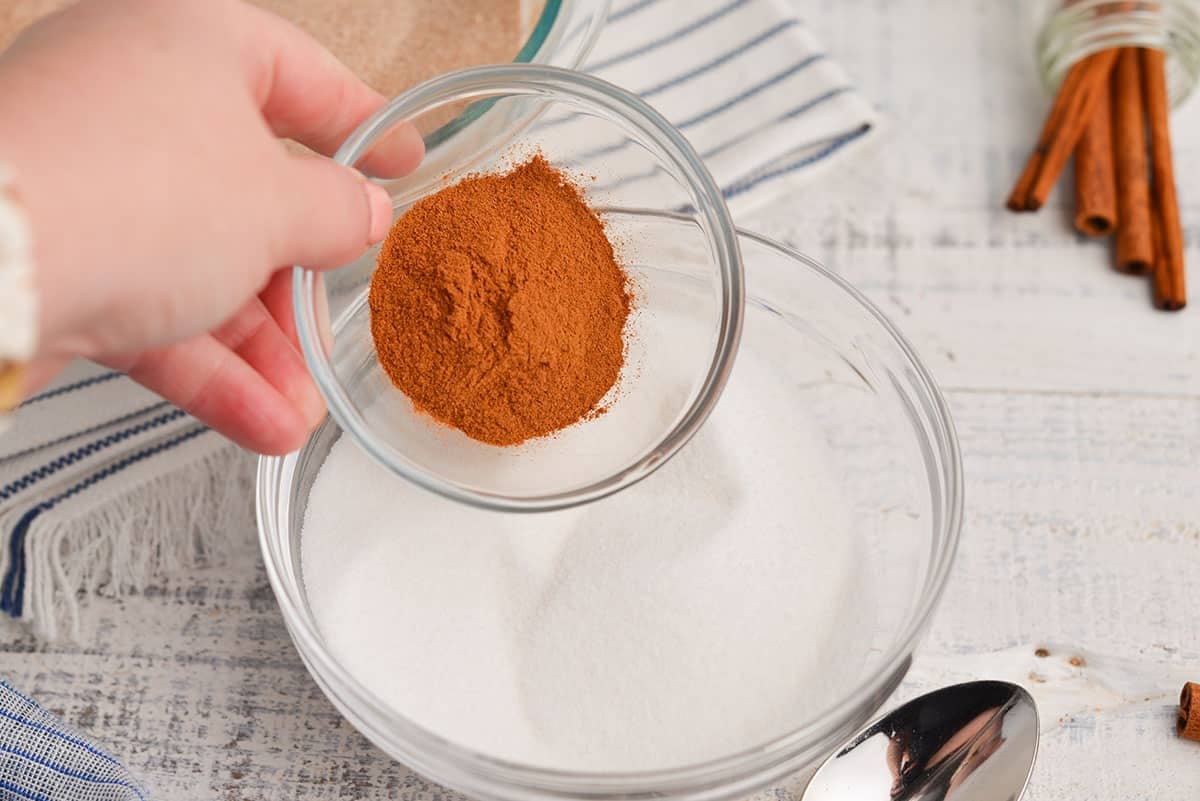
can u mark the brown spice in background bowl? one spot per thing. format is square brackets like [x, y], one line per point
[391, 44]
[396, 44]
[499, 307]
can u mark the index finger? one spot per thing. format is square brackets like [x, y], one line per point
[306, 94]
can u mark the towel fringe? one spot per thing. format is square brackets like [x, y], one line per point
[196, 514]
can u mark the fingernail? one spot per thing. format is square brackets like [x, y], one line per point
[380, 203]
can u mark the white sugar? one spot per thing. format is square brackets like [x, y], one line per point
[702, 612]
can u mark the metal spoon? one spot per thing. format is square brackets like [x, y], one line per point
[970, 742]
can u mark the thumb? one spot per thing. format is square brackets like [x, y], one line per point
[327, 214]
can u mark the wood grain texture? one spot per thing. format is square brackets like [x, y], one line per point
[1078, 407]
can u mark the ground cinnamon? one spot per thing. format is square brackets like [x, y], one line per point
[499, 306]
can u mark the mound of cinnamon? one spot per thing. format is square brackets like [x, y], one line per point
[499, 306]
[1111, 112]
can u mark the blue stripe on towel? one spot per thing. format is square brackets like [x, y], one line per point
[695, 72]
[53, 732]
[806, 106]
[756, 89]
[621, 13]
[20, 695]
[654, 44]
[83, 432]
[56, 732]
[65, 771]
[87, 382]
[826, 149]
[724, 58]
[13, 588]
[68, 459]
[12, 788]
[834, 145]
[713, 151]
[49, 725]
[726, 105]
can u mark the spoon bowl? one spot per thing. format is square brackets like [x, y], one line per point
[968, 742]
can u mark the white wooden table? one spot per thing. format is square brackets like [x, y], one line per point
[1078, 407]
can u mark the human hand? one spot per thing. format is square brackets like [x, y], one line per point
[166, 213]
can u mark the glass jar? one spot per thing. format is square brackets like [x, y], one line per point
[1067, 30]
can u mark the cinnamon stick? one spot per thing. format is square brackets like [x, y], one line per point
[1135, 245]
[1060, 133]
[1095, 174]
[1169, 285]
[1018, 200]
[1188, 723]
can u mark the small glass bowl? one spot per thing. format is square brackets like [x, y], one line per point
[628, 156]
[891, 453]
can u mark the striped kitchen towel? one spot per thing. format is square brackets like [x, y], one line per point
[106, 488]
[41, 759]
[745, 81]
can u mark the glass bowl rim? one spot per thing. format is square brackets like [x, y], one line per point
[589, 91]
[548, 22]
[697, 780]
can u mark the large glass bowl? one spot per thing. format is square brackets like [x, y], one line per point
[627, 155]
[891, 452]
